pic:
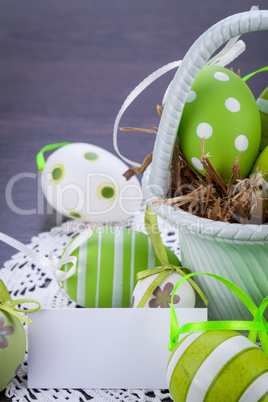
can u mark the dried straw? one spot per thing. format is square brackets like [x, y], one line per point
[238, 201]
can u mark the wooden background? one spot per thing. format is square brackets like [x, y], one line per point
[67, 66]
[65, 69]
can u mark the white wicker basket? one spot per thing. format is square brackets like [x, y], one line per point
[237, 252]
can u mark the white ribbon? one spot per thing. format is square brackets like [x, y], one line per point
[133, 95]
[231, 51]
[52, 262]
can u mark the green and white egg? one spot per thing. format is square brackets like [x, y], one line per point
[217, 366]
[107, 267]
[12, 347]
[161, 296]
[85, 182]
[262, 103]
[221, 108]
[262, 165]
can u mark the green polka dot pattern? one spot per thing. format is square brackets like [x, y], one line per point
[75, 215]
[107, 192]
[91, 156]
[57, 173]
[222, 109]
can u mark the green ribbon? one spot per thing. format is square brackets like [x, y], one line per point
[40, 160]
[256, 327]
[254, 72]
[8, 305]
[152, 229]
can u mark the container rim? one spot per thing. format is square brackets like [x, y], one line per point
[204, 227]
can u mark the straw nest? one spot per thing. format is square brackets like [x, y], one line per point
[238, 201]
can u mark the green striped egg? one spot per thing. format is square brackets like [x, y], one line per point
[262, 103]
[107, 267]
[217, 366]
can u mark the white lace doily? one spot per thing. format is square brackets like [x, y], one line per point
[26, 280]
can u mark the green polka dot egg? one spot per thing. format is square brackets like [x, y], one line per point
[217, 366]
[86, 182]
[12, 347]
[221, 108]
[107, 267]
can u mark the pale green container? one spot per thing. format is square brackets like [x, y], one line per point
[235, 251]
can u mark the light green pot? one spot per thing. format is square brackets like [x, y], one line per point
[234, 251]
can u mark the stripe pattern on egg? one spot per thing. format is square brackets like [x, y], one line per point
[107, 267]
[217, 365]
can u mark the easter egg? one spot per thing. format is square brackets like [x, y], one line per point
[86, 182]
[12, 347]
[107, 267]
[161, 297]
[217, 366]
[262, 103]
[221, 108]
[262, 165]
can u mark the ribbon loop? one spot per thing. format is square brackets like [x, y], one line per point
[8, 305]
[256, 327]
[230, 52]
[254, 73]
[68, 258]
[52, 262]
[40, 160]
[152, 229]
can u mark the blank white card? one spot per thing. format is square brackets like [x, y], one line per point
[102, 348]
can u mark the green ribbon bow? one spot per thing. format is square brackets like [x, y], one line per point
[8, 305]
[160, 251]
[256, 327]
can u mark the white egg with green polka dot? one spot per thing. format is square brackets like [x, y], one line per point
[220, 108]
[86, 182]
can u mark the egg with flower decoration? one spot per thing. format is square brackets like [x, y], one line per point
[12, 333]
[220, 108]
[86, 183]
[160, 295]
[12, 347]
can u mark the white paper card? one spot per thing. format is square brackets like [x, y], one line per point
[102, 348]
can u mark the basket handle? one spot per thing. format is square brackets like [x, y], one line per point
[194, 60]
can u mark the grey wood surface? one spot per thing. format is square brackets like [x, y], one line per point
[65, 69]
[67, 66]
